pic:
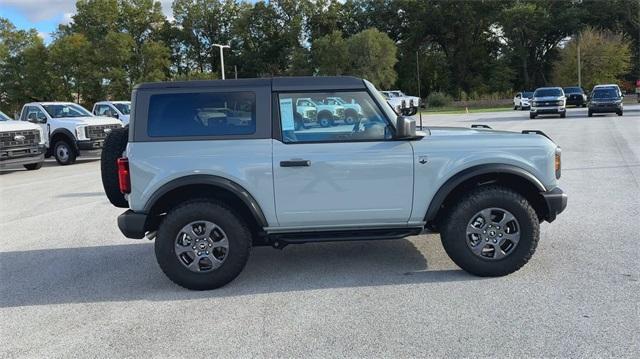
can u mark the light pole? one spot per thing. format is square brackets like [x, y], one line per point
[222, 56]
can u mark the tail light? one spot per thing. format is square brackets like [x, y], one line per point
[124, 180]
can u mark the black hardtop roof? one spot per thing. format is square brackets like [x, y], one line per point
[303, 83]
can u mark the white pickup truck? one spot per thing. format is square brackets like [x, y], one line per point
[68, 128]
[20, 144]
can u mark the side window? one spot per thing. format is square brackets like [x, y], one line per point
[25, 113]
[202, 114]
[320, 117]
[33, 114]
[103, 110]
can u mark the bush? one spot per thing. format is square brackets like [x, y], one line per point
[438, 99]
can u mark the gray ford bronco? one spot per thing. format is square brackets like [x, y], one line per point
[211, 168]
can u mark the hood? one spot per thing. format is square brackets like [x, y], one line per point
[124, 119]
[462, 131]
[90, 120]
[17, 126]
[484, 138]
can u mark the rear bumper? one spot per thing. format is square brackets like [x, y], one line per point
[132, 224]
[556, 201]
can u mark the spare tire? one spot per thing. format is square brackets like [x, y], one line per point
[114, 145]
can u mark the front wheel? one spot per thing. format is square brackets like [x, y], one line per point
[491, 231]
[563, 115]
[619, 113]
[33, 166]
[202, 245]
[532, 116]
[64, 153]
[590, 114]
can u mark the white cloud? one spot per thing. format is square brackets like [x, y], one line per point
[39, 10]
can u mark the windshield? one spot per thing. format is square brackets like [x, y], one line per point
[548, 93]
[527, 94]
[124, 108]
[388, 111]
[572, 90]
[66, 110]
[4, 117]
[605, 93]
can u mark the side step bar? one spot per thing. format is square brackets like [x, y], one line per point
[281, 240]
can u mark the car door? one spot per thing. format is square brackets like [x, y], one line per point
[343, 175]
[36, 115]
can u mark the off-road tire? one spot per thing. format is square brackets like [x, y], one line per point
[33, 166]
[71, 158]
[454, 230]
[238, 234]
[114, 145]
[350, 117]
[325, 121]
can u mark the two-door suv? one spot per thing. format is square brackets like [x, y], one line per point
[211, 168]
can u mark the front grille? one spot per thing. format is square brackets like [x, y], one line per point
[98, 132]
[12, 139]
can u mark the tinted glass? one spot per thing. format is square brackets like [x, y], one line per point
[4, 117]
[331, 117]
[202, 114]
[527, 94]
[548, 93]
[573, 90]
[605, 93]
[124, 108]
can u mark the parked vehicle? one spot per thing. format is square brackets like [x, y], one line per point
[605, 100]
[68, 128]
[548, 100]
[21, 144]
[401, 103]
[352, 111]
[206, 194]
[522, 100]
[575, 96]
[116, 109]
[326, 114]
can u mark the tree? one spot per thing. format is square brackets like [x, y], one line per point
[605, 58]
[71, 63]
[372, 55]
[330, 54]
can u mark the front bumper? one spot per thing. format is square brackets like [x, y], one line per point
[88, 145]
[22, 155]
[132, 224]
[556, 201]
[605, 107]
[549, 109]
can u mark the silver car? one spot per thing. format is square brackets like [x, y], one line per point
[548, 101]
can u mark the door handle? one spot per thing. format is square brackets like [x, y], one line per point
[295, 163]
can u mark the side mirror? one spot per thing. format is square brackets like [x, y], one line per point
[405, 128]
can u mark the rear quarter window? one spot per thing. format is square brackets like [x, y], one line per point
[202, 114]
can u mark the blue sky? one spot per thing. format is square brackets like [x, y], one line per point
[46, 15]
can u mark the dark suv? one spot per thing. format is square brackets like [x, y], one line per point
[605, 100]
[575, 96]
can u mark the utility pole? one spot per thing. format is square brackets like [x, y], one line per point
[222, 56]
[579, 64]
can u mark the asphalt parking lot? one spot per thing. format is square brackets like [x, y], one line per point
[72, 285]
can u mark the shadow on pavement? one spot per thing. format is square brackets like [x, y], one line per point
[129, 272]
[50, 162]
[81, 194]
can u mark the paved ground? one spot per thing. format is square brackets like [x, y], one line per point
[72, 285]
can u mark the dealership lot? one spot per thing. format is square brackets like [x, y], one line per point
[71, 284]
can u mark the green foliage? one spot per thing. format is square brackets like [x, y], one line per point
[466, 49]
[605, 58]
[438, 99]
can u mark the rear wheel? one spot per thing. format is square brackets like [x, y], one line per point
[114, 146]
[64, 153]
[491, 231]
[202, 245]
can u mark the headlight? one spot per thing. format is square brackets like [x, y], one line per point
[558, 164]
[560, 103]
[42, 141]
[81, 132]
